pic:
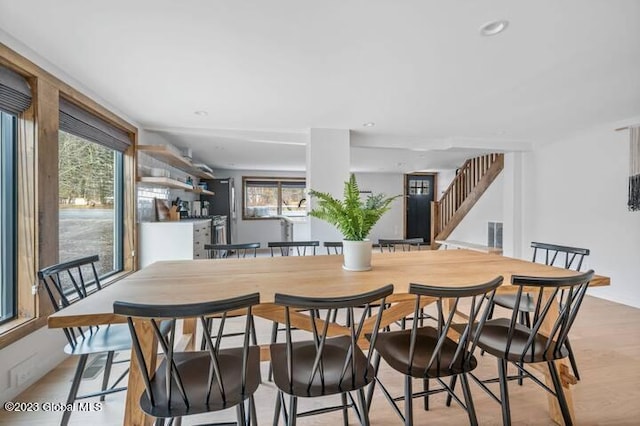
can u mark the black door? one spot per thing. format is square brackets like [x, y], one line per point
[420, 190]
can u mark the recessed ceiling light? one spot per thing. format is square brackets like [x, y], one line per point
[369, 124]
[494, 27]
[201, 113]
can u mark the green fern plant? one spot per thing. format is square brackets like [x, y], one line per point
[353, 218]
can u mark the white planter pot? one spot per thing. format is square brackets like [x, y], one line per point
[357, 255]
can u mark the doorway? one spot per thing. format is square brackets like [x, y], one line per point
[419, 191]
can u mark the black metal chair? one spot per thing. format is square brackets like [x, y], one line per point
[390, 246]
[287, 246]
[66, 283]
[511, 342]
[333, 247]
[428, 352]
[329, 364]
[187, 383]
[221, 251]
[406, 244]
[554, 255]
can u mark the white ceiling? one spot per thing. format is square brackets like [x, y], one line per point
[267, 71]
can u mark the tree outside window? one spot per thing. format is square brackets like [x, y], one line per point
[269, 198]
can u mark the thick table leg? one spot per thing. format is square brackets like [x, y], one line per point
[189, 333]
[133, 415]
[562, 366]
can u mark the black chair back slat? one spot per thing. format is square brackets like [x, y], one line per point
[142, 363]
[220, 334]
[320, 339]
[245, 354]
[189, 310]
[80, 289]
[214, 367]
[477, 307]
[337, 302]
[64, 266]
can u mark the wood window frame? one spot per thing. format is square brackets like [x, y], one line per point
[37, 180]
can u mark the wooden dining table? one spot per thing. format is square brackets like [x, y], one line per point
[187, 281]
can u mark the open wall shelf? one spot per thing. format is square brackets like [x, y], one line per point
[169, 156]
[166, 182]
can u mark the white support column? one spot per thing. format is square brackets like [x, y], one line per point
[513, 218]
[328, 163]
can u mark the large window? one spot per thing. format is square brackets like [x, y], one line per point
[90, 202]
[7, 217]
[268, 198]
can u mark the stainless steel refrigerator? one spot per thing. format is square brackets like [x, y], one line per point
[222, 203]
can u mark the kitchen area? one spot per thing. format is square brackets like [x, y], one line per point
[182, 206]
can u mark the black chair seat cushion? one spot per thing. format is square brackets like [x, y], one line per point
[113, 337]
[527, 303]
[333, 361]
[494, 337]
[394, 348]
[194, 370]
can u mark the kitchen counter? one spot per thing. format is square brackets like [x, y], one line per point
[173, 240]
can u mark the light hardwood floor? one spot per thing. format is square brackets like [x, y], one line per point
[605, 338]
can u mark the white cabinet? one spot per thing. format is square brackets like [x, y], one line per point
[179, 240]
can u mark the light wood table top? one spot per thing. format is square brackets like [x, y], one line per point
[187, 281]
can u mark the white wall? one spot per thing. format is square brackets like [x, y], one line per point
[579, 198]
[572, 192]
[41, 351]
[328, 160]
[445, 177]
[515, 186]
[391, 224]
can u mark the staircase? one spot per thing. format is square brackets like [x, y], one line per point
[472, 180]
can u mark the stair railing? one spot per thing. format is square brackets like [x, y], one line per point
[467, 178]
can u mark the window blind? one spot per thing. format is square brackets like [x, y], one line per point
[82, 123]
[15, 93]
